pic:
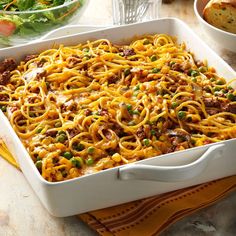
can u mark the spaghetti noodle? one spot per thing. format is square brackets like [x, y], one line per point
[81, 109]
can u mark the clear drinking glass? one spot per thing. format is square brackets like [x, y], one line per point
[131, 11]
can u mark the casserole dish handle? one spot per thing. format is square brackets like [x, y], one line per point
[170, 173]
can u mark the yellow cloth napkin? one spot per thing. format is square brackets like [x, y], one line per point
[151, 215]
[7, 155]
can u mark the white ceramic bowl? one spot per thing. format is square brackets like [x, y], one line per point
[225, 39]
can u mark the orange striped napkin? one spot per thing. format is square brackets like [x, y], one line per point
[150, 216]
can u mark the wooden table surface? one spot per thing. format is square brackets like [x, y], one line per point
[21, 213]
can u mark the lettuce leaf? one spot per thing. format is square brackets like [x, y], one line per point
[58, 2]
[24, 4]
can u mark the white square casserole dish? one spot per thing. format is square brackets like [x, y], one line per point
[141, 179]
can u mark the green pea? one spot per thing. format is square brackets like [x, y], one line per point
[172, 63]
[62, 132]
[190, 71]
[223, 91]
[47, 84]
[194, 80]
[174, 104]
[127, 72]
[78, 147]
[86, 50]
[61, 138]
[67, 155]
[153, 58]
[153, 132]
[146, 41]
[87, 57]
[75, 162]
[194, 73]
[39, 130]
[215, 89]
[203, 69]
[31, 114]
[156, 70]
[89, 161]
[96, 113]
[181, 115]
[212, 79]
[230, 87]
[193, 142]
[135, 112]
[220, 82]
[137, 87]
[58, 124]
[3, 108]
[129, 107]
[39, 165]
[91, 150]
[231, 97]
[146, 142]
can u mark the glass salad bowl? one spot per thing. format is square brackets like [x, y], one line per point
[22, 21]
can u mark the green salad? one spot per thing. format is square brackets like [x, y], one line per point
[32, 24]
